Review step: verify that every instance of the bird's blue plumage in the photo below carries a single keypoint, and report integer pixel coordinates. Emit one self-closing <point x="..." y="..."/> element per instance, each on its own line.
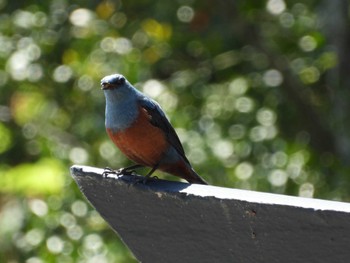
<point x="121" y="103"/>
<point x="139" y="127"/>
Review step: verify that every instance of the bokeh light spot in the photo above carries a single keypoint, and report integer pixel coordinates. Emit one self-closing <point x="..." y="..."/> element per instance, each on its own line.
<point x="275" y="7"/>
<point x="79" y="208"/>
<point x="38" y="207"/>
<point x="62" y="73"/>
<point x="67" y="220"/>
<point x="122" y="45"/>
<point x="23" y="19"/>
<point x="306" y="190"/>
<point x="54" y="244"/>
<point x="93" y="242"/>
<point x="197" y="155"/>
<point x="266" y="117"/>
<point x="34" y="236"/>
<point x="309" y="75"/>
<point x="258" y="133"/>
<point x="185" y="14"/>
<point x="85" y="83"/>
<point x="278" y="177"/>
<point x="17" y="65"/>
<point x="226" y="60"/>
<point x="75" y="232"/>
<point x="34" y="260"/>
<point x="153" y="88"/>
<point x="78" y="155"/>
<point x="238" y="86"/>
<point x="107" y="150"/>
<point x="287" y="20"/>
<point x="272" y="78"/>
<point x="244" y="171"/>
<point x="223" y="149"/>
<point x="279" y="159"/>
<point x="244" y="104"/>
<point x="81" y="17"/>
<point x="307" y="43"/>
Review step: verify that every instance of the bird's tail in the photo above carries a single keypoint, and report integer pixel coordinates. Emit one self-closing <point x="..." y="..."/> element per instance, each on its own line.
<point x="194" y="178"/>
<point x="183" y="170"/>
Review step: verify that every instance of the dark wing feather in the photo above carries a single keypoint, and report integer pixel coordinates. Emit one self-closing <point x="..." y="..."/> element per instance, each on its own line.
<point x="158" y="119"/>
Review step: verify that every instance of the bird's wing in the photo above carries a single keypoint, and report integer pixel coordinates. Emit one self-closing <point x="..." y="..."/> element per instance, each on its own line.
<point x="158" y="119"/>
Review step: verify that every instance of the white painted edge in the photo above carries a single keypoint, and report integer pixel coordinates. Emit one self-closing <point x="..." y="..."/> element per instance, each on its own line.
<point x="252" y="196"/>
<point x="266" y="198"/>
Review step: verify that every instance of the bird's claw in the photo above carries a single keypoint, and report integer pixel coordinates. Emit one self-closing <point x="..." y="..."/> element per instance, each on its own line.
<point x="125" y="171"/>
<point x="107" y="171"/>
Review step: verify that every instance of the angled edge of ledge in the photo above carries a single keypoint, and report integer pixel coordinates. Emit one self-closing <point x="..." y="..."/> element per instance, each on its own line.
<point x="160" y="185"/>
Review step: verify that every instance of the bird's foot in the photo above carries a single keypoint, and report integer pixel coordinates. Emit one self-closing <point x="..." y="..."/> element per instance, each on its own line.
<point x="130" y="170"/>
<point x="122" y="171"/>
<point x="144" y="179"/>
<point x="125" y="171"/>
<point x="107" y="171"/>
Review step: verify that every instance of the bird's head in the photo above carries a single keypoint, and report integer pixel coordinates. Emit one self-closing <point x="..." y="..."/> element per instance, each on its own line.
<point x="112" y="82"/>
<point x="117" y="88"/>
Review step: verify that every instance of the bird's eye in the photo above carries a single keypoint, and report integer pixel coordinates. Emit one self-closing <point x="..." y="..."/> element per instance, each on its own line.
<point x="120" y="81"/>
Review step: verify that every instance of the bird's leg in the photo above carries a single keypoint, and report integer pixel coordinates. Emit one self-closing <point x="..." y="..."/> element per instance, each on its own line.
<point x="148" y="176"/>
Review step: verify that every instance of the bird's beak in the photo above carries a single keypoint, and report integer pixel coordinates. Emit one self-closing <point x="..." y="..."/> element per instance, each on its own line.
<point x="106" y="85"/>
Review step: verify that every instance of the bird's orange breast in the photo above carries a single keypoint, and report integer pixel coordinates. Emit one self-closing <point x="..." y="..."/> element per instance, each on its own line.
<point x="142" y="142"/>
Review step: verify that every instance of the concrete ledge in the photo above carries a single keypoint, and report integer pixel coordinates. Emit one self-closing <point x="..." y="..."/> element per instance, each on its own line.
<point x="167" y="221"/>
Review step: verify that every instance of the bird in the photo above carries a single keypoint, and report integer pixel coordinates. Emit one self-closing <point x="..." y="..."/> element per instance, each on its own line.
<point x="138" y="126"/>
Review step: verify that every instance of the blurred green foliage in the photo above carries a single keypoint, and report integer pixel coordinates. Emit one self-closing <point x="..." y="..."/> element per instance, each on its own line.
<point x="256" y="90"/>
